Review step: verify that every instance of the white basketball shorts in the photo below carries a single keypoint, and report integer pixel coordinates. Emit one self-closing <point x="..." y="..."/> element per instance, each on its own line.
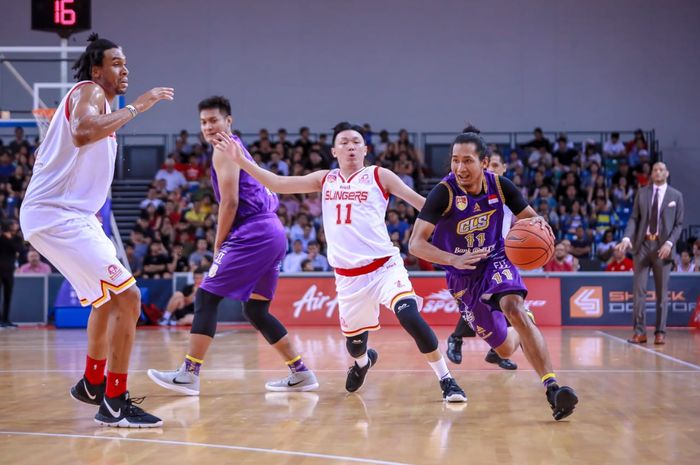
<point x="85" y="256"/>
<point x="360" y="297"/>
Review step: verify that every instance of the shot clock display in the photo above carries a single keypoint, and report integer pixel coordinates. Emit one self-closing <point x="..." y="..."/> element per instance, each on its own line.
<point x="64" y="17"/>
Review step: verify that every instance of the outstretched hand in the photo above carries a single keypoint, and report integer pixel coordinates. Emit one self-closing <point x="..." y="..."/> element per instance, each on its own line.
<point x="225" y="144"/>
<point x="145" y="101"/>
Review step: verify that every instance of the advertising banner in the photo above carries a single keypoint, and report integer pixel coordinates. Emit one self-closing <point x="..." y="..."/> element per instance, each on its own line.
<point x="608" y="300"/>
<point x="312" y="301"/>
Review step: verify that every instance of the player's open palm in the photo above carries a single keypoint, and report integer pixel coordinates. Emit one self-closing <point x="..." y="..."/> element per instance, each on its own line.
<point x="542" y="224"/>
<point x="145" y="101"/>
<point x="225" y="144"/>
<point x="468" y="260"/>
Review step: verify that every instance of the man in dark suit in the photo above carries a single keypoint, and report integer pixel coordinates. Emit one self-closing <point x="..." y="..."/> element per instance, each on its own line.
<point x="652" y="231"/>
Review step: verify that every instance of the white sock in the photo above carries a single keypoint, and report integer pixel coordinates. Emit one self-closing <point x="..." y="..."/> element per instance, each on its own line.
<point x="440" y="368"/>
<point x="167" y="315"/>
<point x="362" y="360"/>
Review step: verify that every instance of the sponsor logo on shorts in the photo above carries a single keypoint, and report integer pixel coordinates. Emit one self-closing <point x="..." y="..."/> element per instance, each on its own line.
<point x="461" y="202"/>
<point x="213" y="269"/>
<point x="113" y="271"/>
<point x="482" y="332"/>
<point x="587" y="302"/>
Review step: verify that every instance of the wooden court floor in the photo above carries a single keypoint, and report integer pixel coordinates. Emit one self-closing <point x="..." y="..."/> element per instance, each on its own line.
<point x="639" y="405"/>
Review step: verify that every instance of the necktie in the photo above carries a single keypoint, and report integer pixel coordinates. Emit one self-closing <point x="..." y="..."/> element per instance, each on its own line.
<point x="654" y="220"/>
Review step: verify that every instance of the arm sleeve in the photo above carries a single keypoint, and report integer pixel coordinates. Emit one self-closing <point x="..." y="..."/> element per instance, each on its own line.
<point x="513" y="197"/>
<point x="435" y="205"/>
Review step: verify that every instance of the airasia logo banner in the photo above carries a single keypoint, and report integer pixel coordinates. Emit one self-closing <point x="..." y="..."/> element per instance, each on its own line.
<point x="313" y="301"/>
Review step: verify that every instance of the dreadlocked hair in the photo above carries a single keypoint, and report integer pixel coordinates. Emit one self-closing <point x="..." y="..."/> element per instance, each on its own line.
<point x="92" y="56"/>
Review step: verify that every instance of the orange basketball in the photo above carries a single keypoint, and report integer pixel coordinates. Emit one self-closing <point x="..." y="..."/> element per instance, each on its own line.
<point x="528" y="246"/>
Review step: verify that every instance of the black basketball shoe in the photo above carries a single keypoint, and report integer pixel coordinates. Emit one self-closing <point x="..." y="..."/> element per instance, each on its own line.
<point x="83" y="391"/>
<point x="451" y="392"/>
<point x="505" y="363"/>
<point x="562" y="399"/>
<point x="454" y="349"/>
<point x="356" y="375"/>
<point x="121" y="412"/>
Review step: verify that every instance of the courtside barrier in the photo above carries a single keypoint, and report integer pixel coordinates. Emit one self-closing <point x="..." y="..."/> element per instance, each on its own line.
<point x="557" y="299"/>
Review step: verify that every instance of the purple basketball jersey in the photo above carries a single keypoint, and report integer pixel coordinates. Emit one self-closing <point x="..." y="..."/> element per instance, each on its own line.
<point x="472" y="223"/>
<point x="248" y="261"/>
<point x="253" y="198"/>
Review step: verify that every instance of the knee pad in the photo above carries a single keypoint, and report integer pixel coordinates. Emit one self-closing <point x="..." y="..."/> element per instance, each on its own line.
<point x="206" y="310"/>
<point x="407" y="312"/>
<point x="257" y="312"/>
<point x="357" y="345"/>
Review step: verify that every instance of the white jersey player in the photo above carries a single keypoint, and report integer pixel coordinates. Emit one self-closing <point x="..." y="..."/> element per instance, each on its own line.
<point x="72" y="176"/>
<point x="368" y="268"/>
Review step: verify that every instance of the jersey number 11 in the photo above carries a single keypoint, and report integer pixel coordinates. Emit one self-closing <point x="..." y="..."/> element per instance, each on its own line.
<point x="348" y="207"/>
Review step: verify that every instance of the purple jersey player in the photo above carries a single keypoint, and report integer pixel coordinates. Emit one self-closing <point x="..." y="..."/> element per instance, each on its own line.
<point x="249" y="247"/>
<point x="464" y="214"/>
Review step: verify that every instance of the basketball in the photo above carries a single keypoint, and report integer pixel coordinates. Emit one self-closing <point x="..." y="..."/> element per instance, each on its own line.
<point x="528" y="246"/>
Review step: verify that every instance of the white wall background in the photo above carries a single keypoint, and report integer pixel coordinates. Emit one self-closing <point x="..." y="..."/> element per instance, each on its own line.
<point x="427" y="66"/>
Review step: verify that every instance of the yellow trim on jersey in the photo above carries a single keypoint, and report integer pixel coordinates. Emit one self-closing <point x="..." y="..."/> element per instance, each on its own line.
<point x="106" y="287"/>
<point x="500" y="189"/>
<point x="449" y="204"/>
<point x="401" y="296"/>
<point x="294" y="360"/>
<point x="361" y="330"/>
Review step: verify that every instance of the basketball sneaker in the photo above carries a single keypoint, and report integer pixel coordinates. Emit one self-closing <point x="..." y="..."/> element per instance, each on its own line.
<point x="451" y="392"/>
<point x="505" y="363"/>
<point x="356" y="375"/>
<point x="562" y="399"/>
<point x="83" y="391"/>
<point x="454" y="349"/>
<point x="296" y="382"/>
<point x="180" y="380"/>
<point x="121" y="412"/>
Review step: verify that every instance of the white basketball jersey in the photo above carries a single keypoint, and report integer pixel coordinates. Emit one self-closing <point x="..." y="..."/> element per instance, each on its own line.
<point x="68" y="181"/>
<point x="353" y="218"/>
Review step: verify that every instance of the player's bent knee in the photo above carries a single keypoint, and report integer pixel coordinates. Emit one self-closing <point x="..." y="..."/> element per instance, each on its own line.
<point x="257" y="312"/>
<point x="510" y="345"/>
<point x="406" y="311"/>
<point x="206" y="309"/>
<point x="513" y="308"/>
<point x="129" y="301"/>
<point x="357" y="345"/>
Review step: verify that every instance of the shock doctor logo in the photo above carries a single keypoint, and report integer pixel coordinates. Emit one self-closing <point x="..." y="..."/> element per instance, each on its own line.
<point x="587" y="302"/>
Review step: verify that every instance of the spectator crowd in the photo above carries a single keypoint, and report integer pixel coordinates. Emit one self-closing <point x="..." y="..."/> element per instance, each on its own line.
<point x="584" y="190"/>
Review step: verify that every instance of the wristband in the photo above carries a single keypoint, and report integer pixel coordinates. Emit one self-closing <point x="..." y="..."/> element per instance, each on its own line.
<point x="132" y="109"/>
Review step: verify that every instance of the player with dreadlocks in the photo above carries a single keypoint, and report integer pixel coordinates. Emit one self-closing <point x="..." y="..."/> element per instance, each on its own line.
<point x="73" y="171"/>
